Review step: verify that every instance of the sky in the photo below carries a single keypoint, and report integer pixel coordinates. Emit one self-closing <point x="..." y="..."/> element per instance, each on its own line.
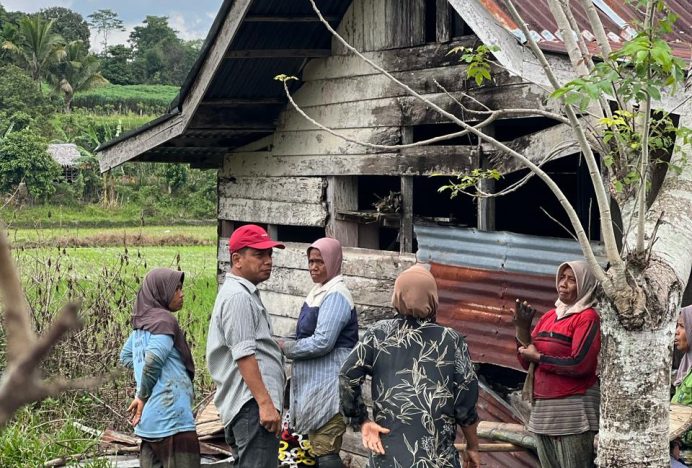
<point x="192" y="19"/>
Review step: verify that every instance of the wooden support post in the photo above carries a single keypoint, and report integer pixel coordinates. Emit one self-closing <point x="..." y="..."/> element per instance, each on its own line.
<point x="406" y="230"/>
<point x="273" y="231"/>
<point x="342" y="194"/>
<point x="443" y="22"/>
<point x="486" y="206"/>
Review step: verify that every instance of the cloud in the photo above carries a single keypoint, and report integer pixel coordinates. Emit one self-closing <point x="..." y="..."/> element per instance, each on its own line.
<point x="188" y="27"/>
<point x="32" y="6"/>
<point x="114" y="37"/>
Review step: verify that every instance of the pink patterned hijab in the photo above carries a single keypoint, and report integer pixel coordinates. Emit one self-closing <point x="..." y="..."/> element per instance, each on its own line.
<point x="330" y="249"/>
<point x="686" y="361"/>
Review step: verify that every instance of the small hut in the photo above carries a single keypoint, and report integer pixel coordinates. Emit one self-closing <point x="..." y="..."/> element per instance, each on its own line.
<point x="66" y="155"/>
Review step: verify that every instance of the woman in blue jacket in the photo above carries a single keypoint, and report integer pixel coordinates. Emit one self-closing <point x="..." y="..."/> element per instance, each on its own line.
<point x="159" y="355"/>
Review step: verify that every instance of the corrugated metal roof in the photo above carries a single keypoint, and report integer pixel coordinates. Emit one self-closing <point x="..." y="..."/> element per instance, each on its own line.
<point x="618" y="18"/>
<point x="491" y="407"/>
<point x="505" y="251"/>
<point x="480" y="303"/>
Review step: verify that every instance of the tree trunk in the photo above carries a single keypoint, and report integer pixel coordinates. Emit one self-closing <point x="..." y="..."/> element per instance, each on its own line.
<point x="635" y="397"/>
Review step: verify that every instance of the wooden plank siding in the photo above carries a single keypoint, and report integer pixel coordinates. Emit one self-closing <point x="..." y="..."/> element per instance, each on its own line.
<point x="294" y="201"/>
<point x="382" y="24"/>
<point x="369" y="274"/>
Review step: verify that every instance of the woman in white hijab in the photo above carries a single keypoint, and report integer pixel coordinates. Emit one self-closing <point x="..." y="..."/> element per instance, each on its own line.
<point x="564" y="347"/>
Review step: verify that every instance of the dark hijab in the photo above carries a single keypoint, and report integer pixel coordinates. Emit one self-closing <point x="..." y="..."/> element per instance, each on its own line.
<point x="151" y="311"/>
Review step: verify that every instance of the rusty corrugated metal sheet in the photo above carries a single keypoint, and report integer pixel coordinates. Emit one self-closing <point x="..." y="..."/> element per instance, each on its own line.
<point x="480" y="274"/>
<point x="491" y="407"/>
<point x="617" y="16"/>
<point x="495" y="250"/>
<point x="479" y="304"/>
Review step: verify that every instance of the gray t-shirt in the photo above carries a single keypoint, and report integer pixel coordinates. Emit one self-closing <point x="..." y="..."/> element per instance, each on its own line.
<point x="239" y="327"/>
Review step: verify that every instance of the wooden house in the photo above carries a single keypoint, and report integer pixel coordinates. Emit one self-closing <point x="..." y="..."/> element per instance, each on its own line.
<point x="279" y="170"/>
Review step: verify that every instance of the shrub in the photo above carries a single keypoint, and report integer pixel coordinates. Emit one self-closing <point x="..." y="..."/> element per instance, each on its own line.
<point x="23" y="156"/>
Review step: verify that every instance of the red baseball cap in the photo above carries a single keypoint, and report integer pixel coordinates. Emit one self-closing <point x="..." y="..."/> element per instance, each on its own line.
<point x="252" y="236"/>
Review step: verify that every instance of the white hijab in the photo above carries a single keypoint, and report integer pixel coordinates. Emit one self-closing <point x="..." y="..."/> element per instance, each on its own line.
<point x="586" y="288"/>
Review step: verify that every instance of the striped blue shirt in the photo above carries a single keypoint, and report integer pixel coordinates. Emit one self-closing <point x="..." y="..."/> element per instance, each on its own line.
<point x="318" y="359"/>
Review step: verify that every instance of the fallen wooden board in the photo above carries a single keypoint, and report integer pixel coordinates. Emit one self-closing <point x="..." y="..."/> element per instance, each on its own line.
<point x="680" y="420"/>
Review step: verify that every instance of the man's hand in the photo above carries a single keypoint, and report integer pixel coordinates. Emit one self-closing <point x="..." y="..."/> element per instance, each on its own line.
<point x="370" y="432"/>
<point x="269" y="417"/>
<point x="530" y="353"/>
<point x="135" y="410"/>
<point x="472" y="459"/>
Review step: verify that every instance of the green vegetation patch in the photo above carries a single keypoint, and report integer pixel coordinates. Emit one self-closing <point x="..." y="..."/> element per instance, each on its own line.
<point x="141" y="98"/>
<point x="140" y="236"/>
<point x="70" y="217"/>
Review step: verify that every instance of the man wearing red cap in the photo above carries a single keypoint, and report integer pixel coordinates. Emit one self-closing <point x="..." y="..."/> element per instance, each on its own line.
<point x="244" y="361"/>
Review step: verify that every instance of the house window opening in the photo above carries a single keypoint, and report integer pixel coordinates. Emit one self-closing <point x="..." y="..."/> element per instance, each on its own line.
<point x="306" y="234"/>
<point x="509" y="129"/>
<point x="459" y="26"/>
<point x="380" y="206"/>
<point x="524" y="211"/>
<point x="427" y="131"/>
<point x="430" y="21"/>
<point x="432" y="206"/>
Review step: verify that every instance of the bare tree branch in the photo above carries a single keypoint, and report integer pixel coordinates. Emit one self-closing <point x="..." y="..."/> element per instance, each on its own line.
<point x="21" y="382"/>
<point x="601" y="196"/>
<point x="16" y="316"/>
<point x="644" y="158"/>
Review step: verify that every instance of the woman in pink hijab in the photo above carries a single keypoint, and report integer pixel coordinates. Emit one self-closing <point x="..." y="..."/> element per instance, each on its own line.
<point x="326" y="332"/>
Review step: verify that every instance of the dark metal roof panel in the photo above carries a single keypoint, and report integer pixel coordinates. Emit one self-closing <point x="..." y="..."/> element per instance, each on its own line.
<point x="480" y="303"/>
<point x="498" y="250"/>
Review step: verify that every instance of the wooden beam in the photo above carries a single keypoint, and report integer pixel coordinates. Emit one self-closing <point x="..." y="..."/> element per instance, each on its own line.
<point x="416" y="161"/>
<point x="272" y="212"/>
<point x="238" y="102"/>
<point x="559" y="139"/>
<point x="277" y="53"/>
<point x="289" y="19"/>
<point x="485" y="221"/>
<point x="234" y="130"/>
<point x="406" y="228"/>
<point x="342" y="194"/>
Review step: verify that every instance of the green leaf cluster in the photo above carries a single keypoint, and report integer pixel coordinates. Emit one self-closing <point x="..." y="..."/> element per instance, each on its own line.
<point x="478" y="68"/>
<point x="466" y="180"/>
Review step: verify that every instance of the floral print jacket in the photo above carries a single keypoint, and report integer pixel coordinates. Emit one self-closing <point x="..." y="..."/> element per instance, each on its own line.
<point x="423" y="385"/>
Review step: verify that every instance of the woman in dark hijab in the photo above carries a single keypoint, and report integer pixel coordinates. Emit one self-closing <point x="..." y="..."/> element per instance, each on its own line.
<point x="423" y="383"/>
<point x="163" y="367"/>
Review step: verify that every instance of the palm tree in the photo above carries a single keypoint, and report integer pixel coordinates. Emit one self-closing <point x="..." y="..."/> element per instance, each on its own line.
<point x="78" y="71"/>
<point x="36" y="46"/>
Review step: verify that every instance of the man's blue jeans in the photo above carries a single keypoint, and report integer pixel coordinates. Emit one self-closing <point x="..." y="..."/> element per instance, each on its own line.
<point x="256" y="447"/>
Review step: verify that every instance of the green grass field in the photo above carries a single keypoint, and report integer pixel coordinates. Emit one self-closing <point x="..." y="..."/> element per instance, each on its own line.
<point x="106" y="279"/>
<point x="83" y="216"/>
<point x="122" y="98"/>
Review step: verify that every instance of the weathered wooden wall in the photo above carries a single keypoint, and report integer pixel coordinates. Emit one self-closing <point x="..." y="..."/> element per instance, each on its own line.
<point x="369" y="274"/>
<point x="295" y="201"/>
<point x="382" y="24"/>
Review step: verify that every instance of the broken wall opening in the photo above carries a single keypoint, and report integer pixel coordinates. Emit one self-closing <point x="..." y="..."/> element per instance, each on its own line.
<point x="523" y="211"/>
